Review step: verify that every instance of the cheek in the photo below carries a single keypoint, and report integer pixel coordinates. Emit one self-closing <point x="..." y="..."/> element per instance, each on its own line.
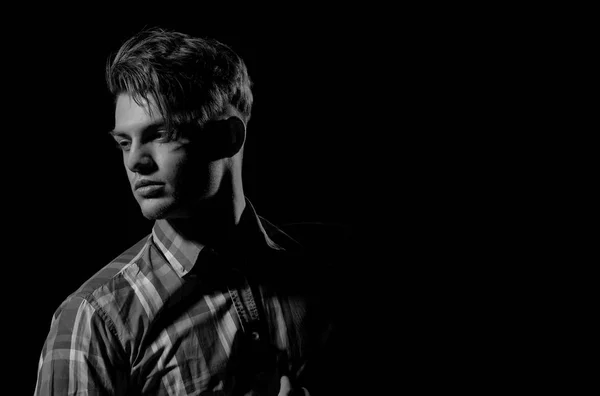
<point x="198" y="179"/>
<point x="189" y="175"/>
<point x="178" y="169"/>
<point x="175" y="168"/>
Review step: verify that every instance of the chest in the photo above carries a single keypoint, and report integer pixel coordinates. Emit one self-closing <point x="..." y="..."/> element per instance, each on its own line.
<point x="206" y="343"/>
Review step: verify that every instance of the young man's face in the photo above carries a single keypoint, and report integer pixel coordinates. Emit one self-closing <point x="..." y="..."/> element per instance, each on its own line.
<point x="166" y="178"/>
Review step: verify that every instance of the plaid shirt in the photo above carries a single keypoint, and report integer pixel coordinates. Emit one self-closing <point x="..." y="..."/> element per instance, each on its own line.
<point x="160" y="320"/>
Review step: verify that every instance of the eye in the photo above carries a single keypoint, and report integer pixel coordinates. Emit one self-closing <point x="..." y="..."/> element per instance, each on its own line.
<point x="123" y="144"/>
<point x="162" y="136"/>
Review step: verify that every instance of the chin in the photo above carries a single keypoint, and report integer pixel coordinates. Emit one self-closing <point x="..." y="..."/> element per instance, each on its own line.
<point x="155" y="209"/>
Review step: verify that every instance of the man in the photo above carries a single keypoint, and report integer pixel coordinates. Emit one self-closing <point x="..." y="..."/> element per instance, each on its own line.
<point x="216" y="300"/>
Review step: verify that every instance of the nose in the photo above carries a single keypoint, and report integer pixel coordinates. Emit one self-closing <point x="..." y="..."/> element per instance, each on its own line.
<point x="139" y="159"/>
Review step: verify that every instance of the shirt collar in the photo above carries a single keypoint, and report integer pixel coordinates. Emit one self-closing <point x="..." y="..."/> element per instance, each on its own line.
<point x="183" y="253"/>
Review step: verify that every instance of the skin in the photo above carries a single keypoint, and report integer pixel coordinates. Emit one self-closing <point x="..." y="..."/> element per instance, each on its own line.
<point x="203" y="198"/>
<point x="286" y="388"/>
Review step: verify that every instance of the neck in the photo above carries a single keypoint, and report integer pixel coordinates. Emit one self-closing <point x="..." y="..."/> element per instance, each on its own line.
<point x="215" y="222"/>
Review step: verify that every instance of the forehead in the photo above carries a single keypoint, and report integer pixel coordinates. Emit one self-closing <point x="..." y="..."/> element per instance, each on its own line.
<point x="130" y="115"/>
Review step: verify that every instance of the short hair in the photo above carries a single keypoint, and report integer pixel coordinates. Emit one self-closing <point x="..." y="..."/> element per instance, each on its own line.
<point x="191" y="79"/>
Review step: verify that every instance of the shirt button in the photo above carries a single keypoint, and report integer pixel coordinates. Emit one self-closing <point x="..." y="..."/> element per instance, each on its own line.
<point x="255" y="336"/>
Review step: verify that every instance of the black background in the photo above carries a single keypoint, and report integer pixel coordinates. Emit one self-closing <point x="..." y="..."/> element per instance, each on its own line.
<point x="392" y="122"/>
<point x="71" y="210"/>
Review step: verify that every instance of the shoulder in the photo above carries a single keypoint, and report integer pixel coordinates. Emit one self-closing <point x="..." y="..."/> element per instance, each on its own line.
<point x="315" y="256"/>
<point x="323" y="247"/>
<point x="114" y="269"/>
<point x="315" y="238"/>
<point x="97" y="289"/>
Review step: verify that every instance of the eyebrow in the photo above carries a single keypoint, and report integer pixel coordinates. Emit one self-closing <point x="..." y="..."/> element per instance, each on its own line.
<point x="149" y="127"/>
<point x="114" y="133"/>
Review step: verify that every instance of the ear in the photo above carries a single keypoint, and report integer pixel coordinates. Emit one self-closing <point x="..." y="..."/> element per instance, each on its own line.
<point x="236" y="132"/>
<point x="224" y="138"/>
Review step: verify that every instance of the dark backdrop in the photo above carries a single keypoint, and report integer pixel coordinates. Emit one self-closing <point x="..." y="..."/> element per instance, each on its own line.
<point x="73" y="209"/>
<point x="391" y="122"/>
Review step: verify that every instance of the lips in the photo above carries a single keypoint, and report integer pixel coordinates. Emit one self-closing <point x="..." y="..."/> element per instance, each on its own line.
<point x="144" y="183"/>
<point x="148" y="189"/>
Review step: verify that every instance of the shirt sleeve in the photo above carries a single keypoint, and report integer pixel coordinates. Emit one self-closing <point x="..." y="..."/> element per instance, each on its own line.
<point x="82" y="354"/>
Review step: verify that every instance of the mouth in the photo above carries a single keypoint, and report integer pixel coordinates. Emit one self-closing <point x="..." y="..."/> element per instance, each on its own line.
<point x="145" y="182"/>
<point x="148" y="189"/>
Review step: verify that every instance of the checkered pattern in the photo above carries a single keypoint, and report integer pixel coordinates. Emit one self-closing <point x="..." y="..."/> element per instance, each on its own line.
<point x="154" y="322"/>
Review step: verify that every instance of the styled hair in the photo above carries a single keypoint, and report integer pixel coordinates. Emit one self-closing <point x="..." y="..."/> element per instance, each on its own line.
<point x="191" y="79"/>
